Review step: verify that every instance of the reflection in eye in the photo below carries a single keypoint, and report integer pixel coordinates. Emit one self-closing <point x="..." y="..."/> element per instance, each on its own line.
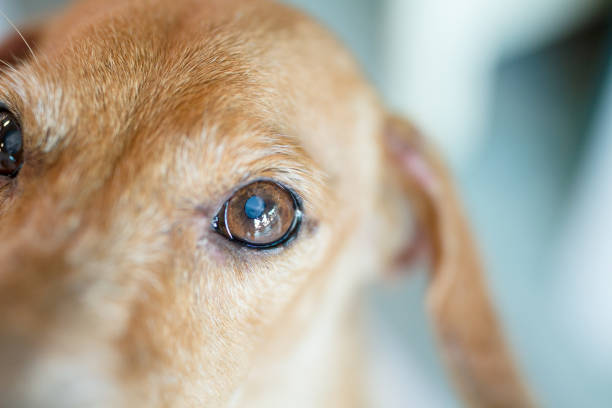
<point x="263" y="214"/>
<point x="254" y="207"/>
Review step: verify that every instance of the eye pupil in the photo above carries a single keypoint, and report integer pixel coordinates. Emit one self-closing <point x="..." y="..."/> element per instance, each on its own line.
<point x="11" y="145"/>
<point x="12" y="142"/>
<point x="254" y="207"/>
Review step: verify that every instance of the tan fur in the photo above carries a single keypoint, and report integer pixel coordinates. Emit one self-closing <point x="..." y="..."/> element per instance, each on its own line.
<point x="140" y="118"/>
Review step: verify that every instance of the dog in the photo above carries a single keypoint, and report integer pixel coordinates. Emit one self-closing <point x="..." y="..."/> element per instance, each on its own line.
<point x="193" y="193"/>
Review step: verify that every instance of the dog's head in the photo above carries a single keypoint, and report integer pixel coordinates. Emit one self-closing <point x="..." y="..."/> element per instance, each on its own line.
<point x="191" y="194"/>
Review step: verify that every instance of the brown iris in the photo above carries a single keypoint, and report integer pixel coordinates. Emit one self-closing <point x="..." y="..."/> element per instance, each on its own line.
<point x="263" y="214"/>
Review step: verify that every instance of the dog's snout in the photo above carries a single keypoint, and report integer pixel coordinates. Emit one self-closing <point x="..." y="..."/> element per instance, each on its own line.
<point x="53" y="351"/>
<point x="38" y="371"/>
<point x="31" y="277"/>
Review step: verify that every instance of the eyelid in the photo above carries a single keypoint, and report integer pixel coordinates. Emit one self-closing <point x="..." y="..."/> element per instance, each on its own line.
<point x="4" y="106"/>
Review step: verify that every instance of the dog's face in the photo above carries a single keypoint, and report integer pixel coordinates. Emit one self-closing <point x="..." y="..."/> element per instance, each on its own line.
<point x="187" y="183"/>
<point x="190" y="190"/>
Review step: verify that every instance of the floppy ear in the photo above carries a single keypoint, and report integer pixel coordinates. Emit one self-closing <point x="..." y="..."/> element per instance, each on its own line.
<point x="466" y="326"/>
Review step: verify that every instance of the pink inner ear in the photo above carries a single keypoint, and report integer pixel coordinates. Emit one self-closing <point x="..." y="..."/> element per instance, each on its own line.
<point x="413" y="163"/>
<point x="409" y="158"/>
<point x="419" y="249"/>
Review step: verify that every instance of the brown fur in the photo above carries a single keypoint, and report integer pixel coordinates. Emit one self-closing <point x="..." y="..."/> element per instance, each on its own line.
<point x="140" y="118"/>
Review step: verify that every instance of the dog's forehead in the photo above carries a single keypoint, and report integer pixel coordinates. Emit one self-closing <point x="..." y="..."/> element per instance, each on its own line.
<point x="106" y="71"/>
<point x="211" y="75"/>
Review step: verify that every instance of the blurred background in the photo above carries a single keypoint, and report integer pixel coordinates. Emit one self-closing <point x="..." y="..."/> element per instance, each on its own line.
<point x="518" y="96"/>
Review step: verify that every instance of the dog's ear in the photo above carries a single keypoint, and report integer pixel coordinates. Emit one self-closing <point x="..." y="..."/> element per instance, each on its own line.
<point x="458" y="302"/>
<point x="19" y="46"/>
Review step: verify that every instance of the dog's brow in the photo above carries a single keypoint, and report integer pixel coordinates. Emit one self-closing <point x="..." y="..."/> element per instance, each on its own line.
<point x="250" y="155"/>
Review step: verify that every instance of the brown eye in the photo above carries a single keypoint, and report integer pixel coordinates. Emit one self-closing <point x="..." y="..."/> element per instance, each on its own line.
<point x="263" y="214"/>
<point x="11" y="145"/>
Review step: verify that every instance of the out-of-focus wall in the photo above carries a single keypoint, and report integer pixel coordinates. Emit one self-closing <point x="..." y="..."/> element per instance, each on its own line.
<point x="584" y="262"/>
<point x="440" y="58"/>
<point x="19" y="10"/>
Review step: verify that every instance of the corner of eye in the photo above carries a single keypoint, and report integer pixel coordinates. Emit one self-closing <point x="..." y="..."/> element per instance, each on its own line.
<point x="310" y="226"/>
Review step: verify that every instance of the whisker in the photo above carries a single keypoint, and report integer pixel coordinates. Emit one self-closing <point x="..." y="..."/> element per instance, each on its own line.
<point x="9" y="66"/>
<point x="8" y="20"/>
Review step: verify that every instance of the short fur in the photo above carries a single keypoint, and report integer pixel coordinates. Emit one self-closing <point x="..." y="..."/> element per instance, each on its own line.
<point x="140" y="118"/>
